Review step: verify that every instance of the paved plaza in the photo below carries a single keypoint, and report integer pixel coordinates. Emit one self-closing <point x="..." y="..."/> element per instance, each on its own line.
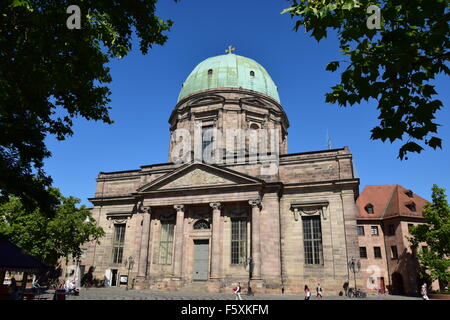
<point x="122" y="294"/>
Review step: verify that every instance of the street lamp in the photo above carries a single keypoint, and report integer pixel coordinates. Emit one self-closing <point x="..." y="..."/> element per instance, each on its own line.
<point x="129" y="264"/>
<point x="354" y="265"/>
<point x="248" y="262"/>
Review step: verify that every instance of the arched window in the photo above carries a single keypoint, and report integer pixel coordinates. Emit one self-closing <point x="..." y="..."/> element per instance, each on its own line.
<point x="201" y="225"/>
<point x="210" y="72"/>
<point x="252" y="73"/>
<point x="369" y="208"/>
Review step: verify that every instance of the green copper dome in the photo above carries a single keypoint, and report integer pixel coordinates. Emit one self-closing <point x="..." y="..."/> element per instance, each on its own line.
<point x="229" y="71"/>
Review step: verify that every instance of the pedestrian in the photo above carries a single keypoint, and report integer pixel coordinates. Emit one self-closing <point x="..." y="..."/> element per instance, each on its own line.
<point x="319" y="291"/>
<point x="307" y="293"/>
<point x="13" y="284"/>
<point x="424" y="292"/>
<point x="237" y="291"/>
<point x="14" y="289"/>
<point x="345" y="286"/>
<point x="87" y="279"/>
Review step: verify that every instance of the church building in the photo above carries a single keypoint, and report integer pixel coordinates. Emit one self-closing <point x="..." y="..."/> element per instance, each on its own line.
<point x="220" y="212"/>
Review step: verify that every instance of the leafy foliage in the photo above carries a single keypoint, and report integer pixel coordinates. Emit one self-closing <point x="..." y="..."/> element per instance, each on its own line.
<point x="436" y="234"/>
<point x="50" y="75"/>
<point x="393" y="65"/>
<point x="49" y="238"/>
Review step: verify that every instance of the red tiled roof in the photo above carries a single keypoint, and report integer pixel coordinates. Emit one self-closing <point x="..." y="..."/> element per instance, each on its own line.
<point x="388" y="201"/>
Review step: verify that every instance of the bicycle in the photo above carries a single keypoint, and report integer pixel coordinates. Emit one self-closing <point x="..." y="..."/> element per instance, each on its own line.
<point x="356" y="293"/>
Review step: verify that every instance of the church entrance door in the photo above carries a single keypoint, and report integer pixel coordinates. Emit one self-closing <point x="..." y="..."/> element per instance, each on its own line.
<point x="201" y="260"/>
<point x="113" y="277"/>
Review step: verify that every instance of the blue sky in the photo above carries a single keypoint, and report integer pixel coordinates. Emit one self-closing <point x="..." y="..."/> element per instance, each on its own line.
<point x="145" y="91"/>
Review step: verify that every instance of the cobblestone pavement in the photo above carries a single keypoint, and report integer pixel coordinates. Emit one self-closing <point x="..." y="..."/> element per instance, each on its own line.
<point x="122" y="294"/>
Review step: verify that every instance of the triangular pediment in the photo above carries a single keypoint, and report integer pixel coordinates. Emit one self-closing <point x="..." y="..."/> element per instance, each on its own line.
<point x="198" y="175"/>
<point x="253" y="102"/>
<point x="206" y="100"/>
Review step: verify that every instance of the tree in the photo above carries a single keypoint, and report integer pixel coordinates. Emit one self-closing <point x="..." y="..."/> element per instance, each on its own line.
<point x="49" y="238"/>
<point x="50" y="74"/>
<point x="393" y="65"/>
<point x="436" y="234"/>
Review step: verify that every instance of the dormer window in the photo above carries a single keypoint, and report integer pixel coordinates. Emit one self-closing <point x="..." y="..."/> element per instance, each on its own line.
<point x="411" y="206"/>
<point x="252" y="73"/>
<point x="409" y="193"/>
<point x="210" y="71"/>
<point x="369" y="208"/>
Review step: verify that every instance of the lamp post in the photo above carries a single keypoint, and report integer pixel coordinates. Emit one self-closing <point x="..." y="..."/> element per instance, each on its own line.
<point x="248" y="262"/>
<point x="129" y="263"/>
<point x="78" y="274"/>
<point x="355" y="266"/>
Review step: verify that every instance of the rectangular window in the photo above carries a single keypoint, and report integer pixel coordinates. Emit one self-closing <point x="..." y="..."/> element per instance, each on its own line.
<point x="207" y="136"/>
<point x="374" y="230"/>
<point x="166" y="243"/>
<point x="84" y="253"/>
<point x="425" y="249"/>
<point x="391" y="229"/>
<point x="312" y="240"/>
<point x="394" y="253"/>
<point x="377" y="252"/>
<point x="238" y="241"/>
<point x="363" y="252"/>
<point x="360" y="230"/>
<point x="118" y="241"/>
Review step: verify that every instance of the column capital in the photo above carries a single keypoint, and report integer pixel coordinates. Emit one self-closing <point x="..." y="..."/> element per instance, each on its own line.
<point x="254" y="202"/>
<point x="143" y="209"/>
<point x="146" y="209"/>
<point x="215" y="205"/>
<point x="179" y="207"/>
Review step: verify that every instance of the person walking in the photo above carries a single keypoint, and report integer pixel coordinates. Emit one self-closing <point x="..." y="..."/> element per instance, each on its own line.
<point x="307" y="293"/>
<point x="424" y="292"/>
<point x="237" y="291"/>
<point x="319" y="294"/>
<point x="345" y="286"/>
<point x="13" y="289"/>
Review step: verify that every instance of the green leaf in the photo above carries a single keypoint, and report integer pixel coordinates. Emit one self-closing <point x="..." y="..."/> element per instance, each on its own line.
<point x="332" y="66"/>
<point x="435" y="142"/>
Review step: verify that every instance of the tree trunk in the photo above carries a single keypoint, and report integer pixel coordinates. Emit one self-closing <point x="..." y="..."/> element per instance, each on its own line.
<point x="442" y="285"/>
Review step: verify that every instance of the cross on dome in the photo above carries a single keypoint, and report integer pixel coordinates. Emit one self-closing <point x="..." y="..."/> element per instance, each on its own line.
<point x="230" y="49"/>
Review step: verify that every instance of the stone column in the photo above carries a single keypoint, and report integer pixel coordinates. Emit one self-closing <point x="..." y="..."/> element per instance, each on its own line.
<point x="215" y="250"/>
<point x="143" y="256"/>
<point x="256" y="244"/>
<point x="178" y="256"/>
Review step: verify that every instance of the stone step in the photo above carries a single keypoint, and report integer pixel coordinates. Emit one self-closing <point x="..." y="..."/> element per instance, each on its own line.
<point x="196" y="286"/>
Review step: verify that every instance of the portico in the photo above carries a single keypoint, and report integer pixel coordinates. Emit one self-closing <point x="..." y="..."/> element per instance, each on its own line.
<point x="237" y="197"/>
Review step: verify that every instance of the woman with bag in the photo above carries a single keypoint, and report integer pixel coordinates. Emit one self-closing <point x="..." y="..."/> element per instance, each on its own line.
<point x="237" y="291"/>
<point x="307" y="293"/>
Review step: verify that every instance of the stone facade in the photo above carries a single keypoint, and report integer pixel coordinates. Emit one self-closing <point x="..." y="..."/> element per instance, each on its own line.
<point x="274" y="209"/>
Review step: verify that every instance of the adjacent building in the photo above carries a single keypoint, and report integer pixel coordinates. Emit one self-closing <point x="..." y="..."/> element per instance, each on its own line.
<point x="385" y="214"/>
